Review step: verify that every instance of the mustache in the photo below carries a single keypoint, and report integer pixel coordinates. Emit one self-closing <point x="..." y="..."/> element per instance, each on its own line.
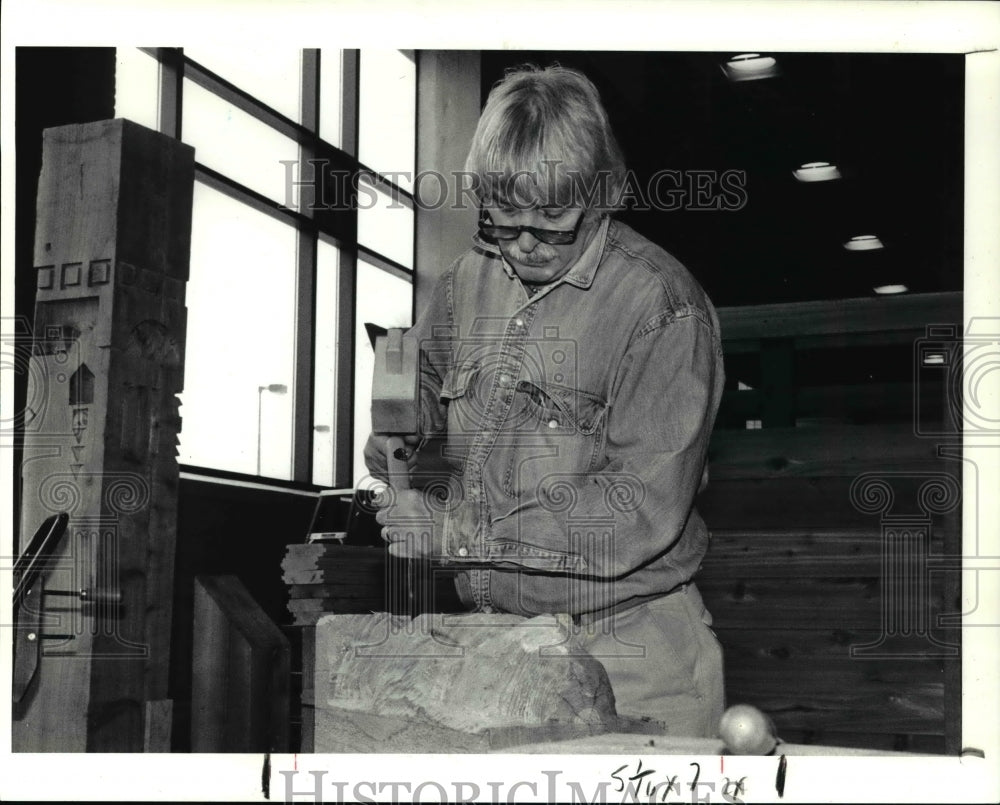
<point x="541" y="254"/>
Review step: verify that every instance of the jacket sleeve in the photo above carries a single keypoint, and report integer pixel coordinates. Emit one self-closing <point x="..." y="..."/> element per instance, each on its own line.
<point x="664" y="401"/>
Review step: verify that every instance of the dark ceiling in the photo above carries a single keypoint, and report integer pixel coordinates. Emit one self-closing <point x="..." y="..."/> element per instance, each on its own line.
<point x="892" y="123"/>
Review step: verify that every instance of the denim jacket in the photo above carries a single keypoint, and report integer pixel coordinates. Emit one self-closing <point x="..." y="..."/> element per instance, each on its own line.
<point x="577" y="423"/>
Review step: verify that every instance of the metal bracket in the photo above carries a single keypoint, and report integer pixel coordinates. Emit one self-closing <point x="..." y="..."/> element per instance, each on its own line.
<point x="30" y="570"/>
<point x="29" y="575"/>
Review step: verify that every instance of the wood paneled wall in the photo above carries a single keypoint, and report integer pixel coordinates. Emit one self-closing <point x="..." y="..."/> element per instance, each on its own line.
<point x="832" y="518"/>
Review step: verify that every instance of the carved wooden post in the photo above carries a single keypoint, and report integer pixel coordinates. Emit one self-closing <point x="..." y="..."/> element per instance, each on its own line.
<point x="112" y="249"/>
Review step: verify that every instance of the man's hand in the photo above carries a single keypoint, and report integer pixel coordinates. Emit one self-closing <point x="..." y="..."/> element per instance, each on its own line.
<point x="375" y="458"/>
<point x="407" y="524"/>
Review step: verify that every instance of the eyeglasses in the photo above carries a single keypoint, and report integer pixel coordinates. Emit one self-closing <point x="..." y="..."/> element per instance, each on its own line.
<point x="554" y="237"/>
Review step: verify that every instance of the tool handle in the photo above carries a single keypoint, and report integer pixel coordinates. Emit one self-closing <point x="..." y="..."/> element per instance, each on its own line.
<point x="399" y="472"/>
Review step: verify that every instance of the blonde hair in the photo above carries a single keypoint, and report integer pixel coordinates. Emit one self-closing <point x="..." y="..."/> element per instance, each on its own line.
<point x="544" y="139"/>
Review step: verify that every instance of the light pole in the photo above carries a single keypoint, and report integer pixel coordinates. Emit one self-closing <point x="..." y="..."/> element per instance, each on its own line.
<point x="274" y="388"/>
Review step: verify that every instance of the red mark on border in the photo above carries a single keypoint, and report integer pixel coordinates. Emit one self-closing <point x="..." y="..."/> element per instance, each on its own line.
<point x="722" y="764"/>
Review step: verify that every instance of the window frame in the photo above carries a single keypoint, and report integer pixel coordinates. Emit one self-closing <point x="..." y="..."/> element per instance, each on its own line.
<point x="337" y="227"/>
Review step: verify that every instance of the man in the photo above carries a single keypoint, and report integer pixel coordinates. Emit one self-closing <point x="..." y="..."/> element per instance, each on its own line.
<point x="571" y="371"/>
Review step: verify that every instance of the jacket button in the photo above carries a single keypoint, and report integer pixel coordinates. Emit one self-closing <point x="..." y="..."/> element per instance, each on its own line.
<point x="506" y="380"/>
<point x="463" y="551"/>
<point x="553" y="423"/>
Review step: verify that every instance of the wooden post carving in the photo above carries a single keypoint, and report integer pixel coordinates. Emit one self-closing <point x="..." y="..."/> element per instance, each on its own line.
<point x="112" y="249"/>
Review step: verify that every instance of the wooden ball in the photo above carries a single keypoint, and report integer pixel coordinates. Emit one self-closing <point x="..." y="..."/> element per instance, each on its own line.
<point x="747" y="731"/>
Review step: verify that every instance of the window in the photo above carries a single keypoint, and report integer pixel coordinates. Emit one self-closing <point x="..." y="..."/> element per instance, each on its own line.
<point x="325" y="390"/>
<point x="271" y="74"/>
<point x="240" y="339"/>
<point x="236" y="144"/>
<point x="331" y="100"/>
<point x="137" y="87"/>
<point x="278" y="368"/>
<point x="388" y="113"/>
<point x="385" y="224"/>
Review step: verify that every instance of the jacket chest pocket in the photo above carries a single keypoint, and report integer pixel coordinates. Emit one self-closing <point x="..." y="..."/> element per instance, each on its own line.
<point x="546" y="430"/>
<point x="461" y="392"/>
<point x="555" y="430"/>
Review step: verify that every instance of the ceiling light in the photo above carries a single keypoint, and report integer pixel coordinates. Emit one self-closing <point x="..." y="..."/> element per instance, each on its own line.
<point x="749" y="67"/>
<point x="816" y="172"/>
<point x="934" y="359"/>
<point x="892" y="288"/>
<point x="863" y="243"/>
